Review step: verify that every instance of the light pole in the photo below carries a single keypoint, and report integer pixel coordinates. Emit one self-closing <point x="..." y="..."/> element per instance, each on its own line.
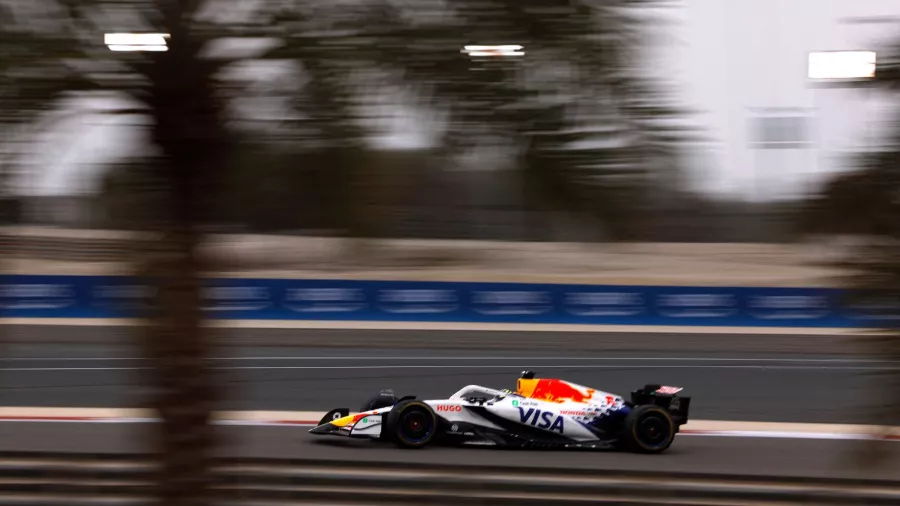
<point x="838" y="69"/>
<point x="494" y="62"/>
<point x="136" y="41"/>
<point x="870" y="21"/>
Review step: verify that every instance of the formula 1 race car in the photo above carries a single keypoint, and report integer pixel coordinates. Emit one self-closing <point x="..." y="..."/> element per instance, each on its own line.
<point x="541" y="413"/>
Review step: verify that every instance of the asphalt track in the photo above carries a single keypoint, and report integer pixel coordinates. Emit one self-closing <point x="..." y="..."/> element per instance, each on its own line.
<point x="785" y="457"/>
<point x="777" y="387"/>
<point x="779" y="378"/>
<point x="465" y="337"/>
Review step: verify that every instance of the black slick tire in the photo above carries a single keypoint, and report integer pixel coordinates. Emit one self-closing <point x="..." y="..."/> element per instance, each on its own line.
<point x="384" y="399"/>
<point x="411" y="424"/>
<point x="649" y="429"/>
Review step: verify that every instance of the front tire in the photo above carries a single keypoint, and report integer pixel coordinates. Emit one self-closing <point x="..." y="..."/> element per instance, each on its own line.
<point x="649" y="429"/>
<point x="411" y="424"/>
<point x="384" y="399"/>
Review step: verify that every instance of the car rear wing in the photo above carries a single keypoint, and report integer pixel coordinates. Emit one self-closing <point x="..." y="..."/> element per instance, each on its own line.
<point x="665" y="397"/>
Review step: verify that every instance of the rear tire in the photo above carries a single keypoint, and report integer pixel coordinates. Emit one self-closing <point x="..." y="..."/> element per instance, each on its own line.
<point x="411" y="424"/>
<point x="649" y="429"/>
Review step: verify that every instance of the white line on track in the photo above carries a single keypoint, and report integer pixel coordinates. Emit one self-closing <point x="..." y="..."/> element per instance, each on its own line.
<point x="481" y="358"/>
<point x="496" y="366"/>
<point x="48" y="369"/>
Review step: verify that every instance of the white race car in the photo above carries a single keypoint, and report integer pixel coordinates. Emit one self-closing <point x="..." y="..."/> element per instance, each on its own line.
<point x="540" y="413"/>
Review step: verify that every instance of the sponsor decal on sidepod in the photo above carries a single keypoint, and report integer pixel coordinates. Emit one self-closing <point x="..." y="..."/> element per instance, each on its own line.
<point x="548" y="420"/>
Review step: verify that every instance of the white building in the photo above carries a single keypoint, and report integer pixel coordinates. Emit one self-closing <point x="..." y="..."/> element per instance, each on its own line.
<point x="738" y="60"/>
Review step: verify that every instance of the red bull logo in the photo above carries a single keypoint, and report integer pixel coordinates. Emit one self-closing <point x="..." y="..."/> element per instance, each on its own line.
<point x="553" y="390"/>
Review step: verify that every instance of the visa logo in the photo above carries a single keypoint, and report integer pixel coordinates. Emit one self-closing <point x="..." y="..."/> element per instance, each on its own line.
<point x="541" y="420"/>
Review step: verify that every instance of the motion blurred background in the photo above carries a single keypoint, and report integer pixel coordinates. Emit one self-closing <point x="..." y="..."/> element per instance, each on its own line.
<point x="739" y="143"/>
<point x="639" y="121"/>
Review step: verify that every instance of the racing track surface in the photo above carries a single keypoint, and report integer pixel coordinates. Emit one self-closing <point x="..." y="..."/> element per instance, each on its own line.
<point x="442" y="337"/>
<point x="785" y="457"/>
<point x="725" y="384"/>
<point x="731" y="377"/>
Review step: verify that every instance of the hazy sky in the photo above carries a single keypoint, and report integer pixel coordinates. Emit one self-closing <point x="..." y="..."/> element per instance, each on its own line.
<point x="728" y="59"/>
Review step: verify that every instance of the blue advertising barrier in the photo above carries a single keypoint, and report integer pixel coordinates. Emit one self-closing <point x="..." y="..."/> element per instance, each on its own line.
<point x="32" y="296"/>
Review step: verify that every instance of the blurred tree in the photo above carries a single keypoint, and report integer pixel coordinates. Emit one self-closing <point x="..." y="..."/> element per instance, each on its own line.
<point x="46" y="60"/>
<point x="593" y="132"/>
<point x="64" y="38"/>
<point x="179" y="88"/>
<point x="864" y="204"/>
<point x="32" y="78"/>
<point x="33" y="74"/>
<point x="323" y="144"/>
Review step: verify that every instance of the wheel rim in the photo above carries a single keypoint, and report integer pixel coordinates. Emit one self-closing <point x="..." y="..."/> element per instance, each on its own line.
<point x="654" y="430"/>
<point x="416" y="426"/>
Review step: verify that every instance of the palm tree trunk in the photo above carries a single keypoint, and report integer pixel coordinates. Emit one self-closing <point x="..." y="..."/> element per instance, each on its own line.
<point x="189" y="130"/>
<point x="177" y="345"/>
